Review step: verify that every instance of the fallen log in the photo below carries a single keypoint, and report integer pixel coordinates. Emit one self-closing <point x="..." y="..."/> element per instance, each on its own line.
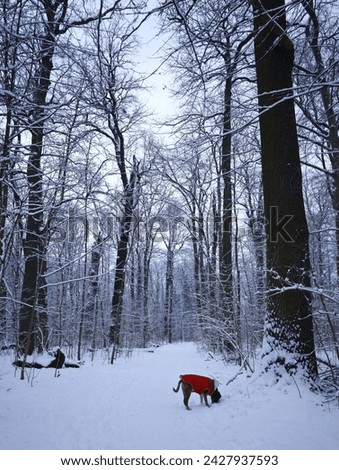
<point x="57" y="361"/>
<point x="28" y="364"/>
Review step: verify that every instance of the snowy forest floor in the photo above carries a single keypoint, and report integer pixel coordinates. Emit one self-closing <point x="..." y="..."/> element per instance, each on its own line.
<point x="131" y="405"/>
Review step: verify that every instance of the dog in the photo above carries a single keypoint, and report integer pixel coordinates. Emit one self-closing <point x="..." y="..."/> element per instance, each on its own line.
<point x="204" y="386"/>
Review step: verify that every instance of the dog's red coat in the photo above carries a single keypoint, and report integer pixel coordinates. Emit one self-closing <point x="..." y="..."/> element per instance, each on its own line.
<point x="200" y="384"/>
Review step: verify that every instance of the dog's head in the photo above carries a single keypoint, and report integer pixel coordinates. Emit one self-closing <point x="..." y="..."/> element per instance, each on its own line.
<point x="216" y="395"/>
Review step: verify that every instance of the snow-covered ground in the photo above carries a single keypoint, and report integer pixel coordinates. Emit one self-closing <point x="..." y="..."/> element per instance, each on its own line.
<point x="131" y="405"/>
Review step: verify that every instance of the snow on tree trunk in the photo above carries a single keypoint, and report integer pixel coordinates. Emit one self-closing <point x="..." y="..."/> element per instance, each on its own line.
<point x="288" y="341"/>
<point x="33" y="316"/>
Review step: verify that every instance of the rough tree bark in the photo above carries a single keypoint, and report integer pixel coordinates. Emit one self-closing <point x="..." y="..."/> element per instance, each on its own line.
<point x="33" y="312"/>
<point x="130" y="186"/>
<point x="226" y="274"/>
<point x="289" y="340"/>
<point x="33" y="306"/>
<point x="94" y="289"/>
<point x="169" y="291"/>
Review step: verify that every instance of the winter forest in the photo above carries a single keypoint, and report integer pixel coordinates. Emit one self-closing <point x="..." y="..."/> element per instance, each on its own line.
<point x="192" y="199"/>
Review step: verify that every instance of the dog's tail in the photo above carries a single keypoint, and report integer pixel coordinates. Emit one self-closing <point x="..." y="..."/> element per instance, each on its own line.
<point x="178" y="386"/>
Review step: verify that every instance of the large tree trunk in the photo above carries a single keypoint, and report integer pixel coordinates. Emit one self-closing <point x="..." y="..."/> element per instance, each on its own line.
<point x="120" y="275"/>
<point x="33" y="307"/>
<point x="289" y="341"/>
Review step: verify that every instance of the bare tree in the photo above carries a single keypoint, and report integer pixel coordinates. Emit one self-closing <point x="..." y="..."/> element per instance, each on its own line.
<point x="212" y="40"/>
<point x="318" y="69"/>
<point x="11" y="42"/>
<point x="50" y="21"/>
<point x="114" y="116"/>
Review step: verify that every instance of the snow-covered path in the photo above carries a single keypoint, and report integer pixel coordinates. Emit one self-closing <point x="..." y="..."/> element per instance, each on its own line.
<point x="131" y="405"/>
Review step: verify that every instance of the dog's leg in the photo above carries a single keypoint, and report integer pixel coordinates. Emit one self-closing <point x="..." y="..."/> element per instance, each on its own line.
<point x="205" y="398"/>
<point x="186" y="390"/>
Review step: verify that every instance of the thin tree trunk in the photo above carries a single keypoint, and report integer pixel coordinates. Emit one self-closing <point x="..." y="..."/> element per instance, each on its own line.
<point x="313" y="37"/>
<point x="196" y="267"/>
<point x="145" y="294"/>
<point x="122" y="256"/>
<point x="226" y="274"/>
<point x="93" y="297"/>
<point x="169" y="294"/>
<point x="12" y="19"/>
